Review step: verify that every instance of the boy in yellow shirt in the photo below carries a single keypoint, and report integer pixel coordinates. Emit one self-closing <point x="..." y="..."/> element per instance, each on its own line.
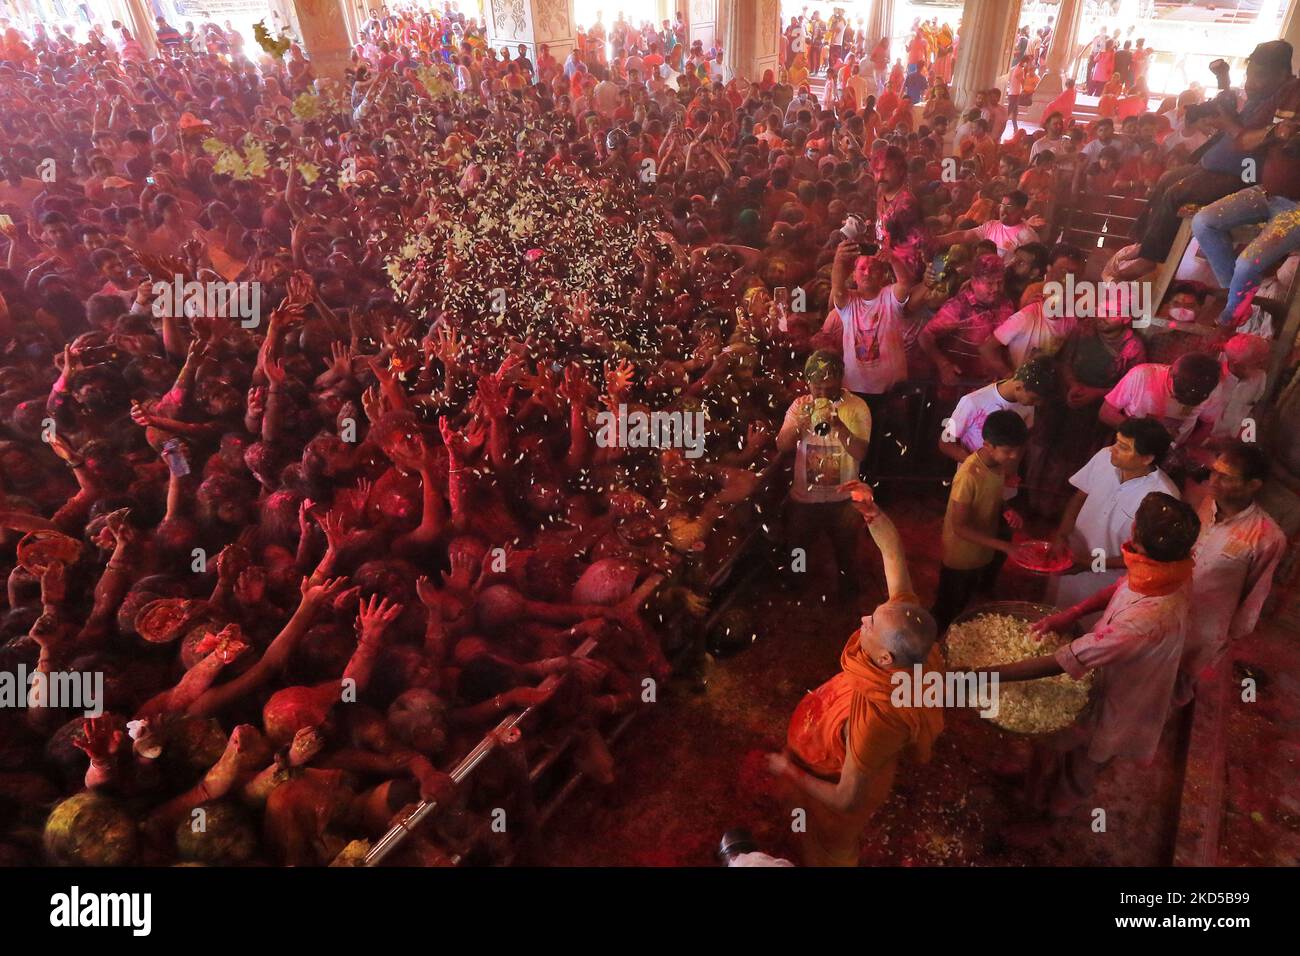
<point x="970" y="525"/>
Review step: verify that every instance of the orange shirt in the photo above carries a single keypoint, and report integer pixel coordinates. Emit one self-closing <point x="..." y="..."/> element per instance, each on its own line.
<point x="851" y="714"/>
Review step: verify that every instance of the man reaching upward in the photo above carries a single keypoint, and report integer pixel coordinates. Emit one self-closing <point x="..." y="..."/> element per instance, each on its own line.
<point x="846" y="738"/>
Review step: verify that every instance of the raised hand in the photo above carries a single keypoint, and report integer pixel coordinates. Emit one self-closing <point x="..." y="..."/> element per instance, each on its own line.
<point x="618" y="379"/>
<point x="335" y="531"/>
<point x="101" y="738"/>
<point x="372" y="403"/>
<point x="341" y="356"/>
<point x="495" y="399"/>
<point x="316" y="594"/>
<point x="448" y="346"/>
<point x="861" y="498"/>
<point x="374" y="615"/>
<point x="275" y="372"/>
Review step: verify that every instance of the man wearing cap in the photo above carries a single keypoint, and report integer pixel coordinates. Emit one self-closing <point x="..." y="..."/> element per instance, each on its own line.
<point x="847" y="737"/>
<point x="1021" y="393"/>
<point x="1222" y="168"/>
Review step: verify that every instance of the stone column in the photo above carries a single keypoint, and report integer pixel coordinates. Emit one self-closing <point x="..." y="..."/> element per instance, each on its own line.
<point x="881" y="24"/>
<point x="984" y="50"/>
<point x="136" y="16"/>
<point x="532" y="23"/>
<point x="1065" y="38"/>
<point x="754" y="30"/>
<point x="325" y="37"/>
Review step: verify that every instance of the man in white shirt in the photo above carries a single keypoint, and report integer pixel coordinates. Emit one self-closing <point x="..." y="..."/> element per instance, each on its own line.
<point x="1098" y="519"/>
<point x="1135" y="647"/>
<point x="803" y="100"/>
<point x="1105" y="137"/>
<point x="1243" y="385"/>
<point x="1041" y="327"/>
<point x="1172" y="394"/>
<point x="1053" y="140"/>
<point x="866" y="324"/>
<point x="858" y="85"/>
<point x="1008" y="232"/>
<point x="963" y="431"/>
<point x="1236" y="555"/>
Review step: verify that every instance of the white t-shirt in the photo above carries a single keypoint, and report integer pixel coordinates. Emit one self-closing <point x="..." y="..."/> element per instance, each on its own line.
<point x="974" y="407"/>
<point x="1146" y="390"/>
<point x="1029" y="332"/>
<point x="875" y="357"/>
<point x="796" y="40"/>
<point x="1105" y="521"/>
<point x="1007" y="238"/>
<point x="1057" y="146"/>
<point x="1092" y="150"/>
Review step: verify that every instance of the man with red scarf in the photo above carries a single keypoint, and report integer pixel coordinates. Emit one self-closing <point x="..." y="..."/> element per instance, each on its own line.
<point x="1135" y="647"/>
<point x="846" y="738"/>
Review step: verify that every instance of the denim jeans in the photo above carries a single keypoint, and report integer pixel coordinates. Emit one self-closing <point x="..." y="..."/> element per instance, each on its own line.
<point x="1241" y="274"/>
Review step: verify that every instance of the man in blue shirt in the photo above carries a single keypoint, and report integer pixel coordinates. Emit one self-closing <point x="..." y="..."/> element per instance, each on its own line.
<point x="1222" y="168"/>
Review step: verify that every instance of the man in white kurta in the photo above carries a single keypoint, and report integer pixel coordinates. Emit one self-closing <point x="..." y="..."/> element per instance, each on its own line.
<point x="1097" y="521"/>
<point x="1236" y="554"/>
<point x="1134" y="651"/>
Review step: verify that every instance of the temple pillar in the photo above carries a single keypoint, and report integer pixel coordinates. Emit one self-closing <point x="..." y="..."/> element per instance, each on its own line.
<point x="1060" y="52"/>
<point x="881" y="24"/>
<point x="325" y="38"/>
<point x="984" y="50"/>
<point x="751" y="39"/>
<point x="137" y="17"/>
<point x="532" y="23"/>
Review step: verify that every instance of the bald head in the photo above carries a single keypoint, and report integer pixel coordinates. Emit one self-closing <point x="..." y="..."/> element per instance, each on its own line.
<point x="905" y="632"/>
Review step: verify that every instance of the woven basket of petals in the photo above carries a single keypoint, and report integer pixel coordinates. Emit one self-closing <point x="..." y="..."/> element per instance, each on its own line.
<point x="998" y="633"/>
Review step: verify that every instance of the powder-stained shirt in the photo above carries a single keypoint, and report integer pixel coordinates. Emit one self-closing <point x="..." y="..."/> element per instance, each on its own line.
<point x="1235" y="561"/>
<point x="871" y="336"/>
<point x="961" y="326"/>
<point x="975" y="407"/>
<point x="1135" y="649"/>
<point x="1146" y="390"/>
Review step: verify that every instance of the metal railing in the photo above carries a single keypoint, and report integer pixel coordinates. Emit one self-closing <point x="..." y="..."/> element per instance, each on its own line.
<point x="493" y="740"/>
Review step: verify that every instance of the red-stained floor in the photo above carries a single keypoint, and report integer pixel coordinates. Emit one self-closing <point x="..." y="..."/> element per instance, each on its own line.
<point x="691" y="767"/>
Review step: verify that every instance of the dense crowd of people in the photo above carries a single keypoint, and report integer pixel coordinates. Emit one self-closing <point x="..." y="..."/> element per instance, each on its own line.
<point x="320" y="537"/>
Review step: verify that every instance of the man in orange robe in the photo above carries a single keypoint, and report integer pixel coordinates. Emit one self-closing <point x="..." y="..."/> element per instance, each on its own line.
<point x="847" y="737"/>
